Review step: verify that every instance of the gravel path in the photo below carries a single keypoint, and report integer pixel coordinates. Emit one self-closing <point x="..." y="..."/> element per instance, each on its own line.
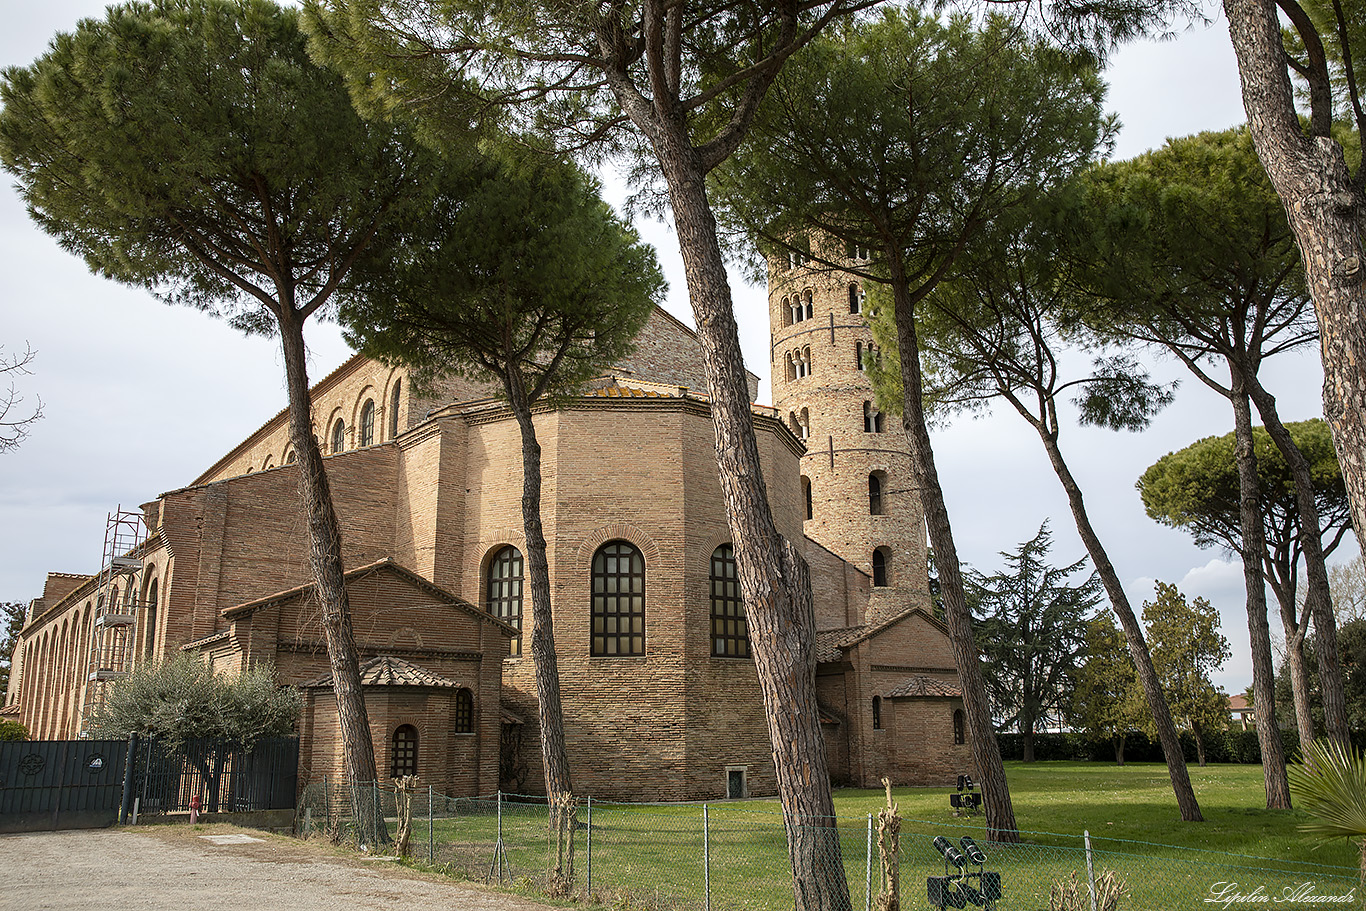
<point x="165" y="868"/>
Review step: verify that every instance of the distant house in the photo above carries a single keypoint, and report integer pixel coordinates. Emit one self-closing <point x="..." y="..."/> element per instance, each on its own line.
<point x="1240" y="711"/>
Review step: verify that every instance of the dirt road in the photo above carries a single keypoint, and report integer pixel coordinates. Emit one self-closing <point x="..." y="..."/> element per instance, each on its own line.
<point x="163" y="868"/>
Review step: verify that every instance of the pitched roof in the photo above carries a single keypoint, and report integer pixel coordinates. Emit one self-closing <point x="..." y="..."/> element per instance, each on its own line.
<point x="388" y="564"/>
<point x="920" y="685"/>
<point x="831" y="642"/>
<point x="387" y="670"/>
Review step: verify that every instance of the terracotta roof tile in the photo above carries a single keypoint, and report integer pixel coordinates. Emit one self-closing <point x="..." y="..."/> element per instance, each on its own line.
<point x="389" y="671"/>
<point x="920" y="685"/>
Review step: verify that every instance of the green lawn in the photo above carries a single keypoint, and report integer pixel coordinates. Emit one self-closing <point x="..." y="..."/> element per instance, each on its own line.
<point x="654" y="855"/>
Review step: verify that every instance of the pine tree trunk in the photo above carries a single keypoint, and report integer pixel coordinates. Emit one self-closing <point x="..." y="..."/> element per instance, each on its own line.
<point x="1326" y="212"/>
<point x="325" y="559"/>
<point x="1133" y="635"/>
<point x="1259" y="633"/>
<point x="1299" y="683"/>
<point x="549" y="711"/>
<point x="773" y="576"/>
<point x="1119" y="750"/>
<point x="1027" y="739"/>
<point x="1318" y="598"/>
<point x="986" y="751"/>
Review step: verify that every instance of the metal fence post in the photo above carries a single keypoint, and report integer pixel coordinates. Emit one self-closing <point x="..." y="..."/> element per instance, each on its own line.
<point x="1090" y="868"/>
<point x="868" y="869"/>
<point x="706" y="858"/>
<point x="588" y="896"/>
<point x="431" y="838"/>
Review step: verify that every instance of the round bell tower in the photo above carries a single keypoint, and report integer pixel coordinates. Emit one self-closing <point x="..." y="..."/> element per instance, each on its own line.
<point x="856" y="474"/>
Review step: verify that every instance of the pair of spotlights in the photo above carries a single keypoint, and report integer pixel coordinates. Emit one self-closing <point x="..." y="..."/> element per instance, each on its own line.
<point x="950" y="852"/>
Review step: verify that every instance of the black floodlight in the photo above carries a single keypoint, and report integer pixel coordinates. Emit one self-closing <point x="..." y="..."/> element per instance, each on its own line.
<point x="962" y="782"/>
<point x="967" y="780"/>
<point x="951" y="855"/>
<point x="970" y="849"/>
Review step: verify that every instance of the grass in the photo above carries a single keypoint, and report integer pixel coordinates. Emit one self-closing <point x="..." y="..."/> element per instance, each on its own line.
<point x="652" y="856"/>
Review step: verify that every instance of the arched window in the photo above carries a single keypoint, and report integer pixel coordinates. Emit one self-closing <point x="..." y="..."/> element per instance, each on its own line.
<point x="855" y="299"/>
<point x="858" y="355"/>
<point x="787" y="312"/>
<point x="798" y="314"/>
<point x="805" y="422"/>
<point x="872" y="419"/>
<point x="267" y="463"/>
<point x="338" y="436"/>
<point x="810" y="306"/>
<point x="618" y="600"/>
<point x="464" y="711"/>
<point x="505" y="590"/>
<point x="880" y="567"/>
<point x="791" y="367"/>
<point x="149" y="640"/>
<point x="875" y="493"/>
<point x="367" y="423"/>
<point x="405" y="751"/>
<point x="729" y="629"/>
<point x="806" y="494"/>
<point x="393" y="407"/>
<point x="959" y="727"/>
<point x="806" y="360"/>
<point x="291" y="457"/>
<point x="877" y="713"/>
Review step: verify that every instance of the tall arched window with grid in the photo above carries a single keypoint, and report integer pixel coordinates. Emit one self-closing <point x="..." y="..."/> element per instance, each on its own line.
<point x="729" y="628"/>
<point x="618" y="600"/>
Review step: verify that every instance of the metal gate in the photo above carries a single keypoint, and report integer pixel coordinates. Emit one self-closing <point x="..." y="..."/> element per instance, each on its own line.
<point x="86" y="784"/>
<point x="61" y="784"/>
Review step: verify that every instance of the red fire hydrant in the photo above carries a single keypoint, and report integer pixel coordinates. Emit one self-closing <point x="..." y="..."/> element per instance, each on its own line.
<point x="195" y="804"/>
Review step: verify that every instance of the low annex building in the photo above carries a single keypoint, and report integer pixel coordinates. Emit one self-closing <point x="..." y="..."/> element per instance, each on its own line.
<point x="660" y="695"/>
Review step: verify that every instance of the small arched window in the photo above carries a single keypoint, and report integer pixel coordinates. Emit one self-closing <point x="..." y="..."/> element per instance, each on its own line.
<point x="868" y="414"/>
<point x="729" y="628"/>
<point x="787" y="312"/>
<point x="791" y="367"/>
<point x="338" y="436"/>
<point x="858" y="355"/>
<point x="855" y="299"/>
<point x="959" y="727"/>
<point x="618" y="600"/>
<point x="810" y="306"/>
<point x="404" y="752"/>
<point x="875" y="493"/>
<point x="806" y="494"/>
<point x="393" y="407"/>
<point x="464" y="711"/>
<point x="367" y="423"/>
<point x="505" y="580"/>
<point x="805" y="422"/>
<point x="291" y="457"/>
<point x="877" y="713"/>
<point x="881" y="567"/>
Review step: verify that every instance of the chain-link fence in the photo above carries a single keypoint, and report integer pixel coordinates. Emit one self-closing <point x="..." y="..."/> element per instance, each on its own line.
<point x="734" y="855"/>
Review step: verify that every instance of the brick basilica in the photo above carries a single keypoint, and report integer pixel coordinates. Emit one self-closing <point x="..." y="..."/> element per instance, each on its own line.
<point x="660" y="695"/>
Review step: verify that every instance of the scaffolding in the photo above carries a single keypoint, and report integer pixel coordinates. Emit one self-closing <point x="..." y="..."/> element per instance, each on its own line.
<point x="113" y="630"/>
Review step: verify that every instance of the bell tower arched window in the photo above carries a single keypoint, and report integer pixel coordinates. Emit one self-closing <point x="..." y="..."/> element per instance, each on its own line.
<point x="338" y="436"/>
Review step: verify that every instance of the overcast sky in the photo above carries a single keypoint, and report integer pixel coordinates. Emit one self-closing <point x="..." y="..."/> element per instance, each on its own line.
<point x="140" y="398"/>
